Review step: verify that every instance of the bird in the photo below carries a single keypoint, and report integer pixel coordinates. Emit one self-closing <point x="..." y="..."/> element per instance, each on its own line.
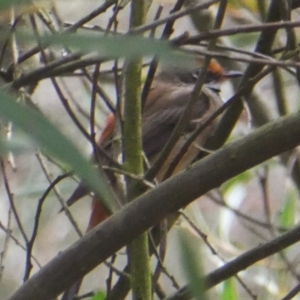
<point x="167" y="99"/>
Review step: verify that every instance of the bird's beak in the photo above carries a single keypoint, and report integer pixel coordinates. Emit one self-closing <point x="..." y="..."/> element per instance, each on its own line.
<point x="232" y="74"/>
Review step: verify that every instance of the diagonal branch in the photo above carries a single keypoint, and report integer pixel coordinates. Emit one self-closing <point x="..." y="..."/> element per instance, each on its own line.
<point x="149" y="209"/>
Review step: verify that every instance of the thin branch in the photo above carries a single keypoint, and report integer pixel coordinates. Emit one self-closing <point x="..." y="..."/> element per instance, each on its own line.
<point x="173" y="17"/>
<point x="244" y="261"/>
<point x="38" y="213"/>
<point x="4" y="250"/>
<point x="89" y="17"/>
<point x="241" y="215"/>
<point x="95" y="13"/>
<point x="17" y="242"/>
<point x="108" y="102"/>
<point x="93" y="112"/>
<point x="267" y="60"/>
<point x="211" y="34"/>
<point x="168" y="30"/>
<point x="12" y="202"/>
<point x="292" y="293"/>
<point x="57" y="193"/>
<point x="204" y="238"/>
<point x="7" y="39"/>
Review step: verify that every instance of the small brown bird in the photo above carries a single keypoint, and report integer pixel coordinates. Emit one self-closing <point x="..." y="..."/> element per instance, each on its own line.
<point x="166" y="101"/>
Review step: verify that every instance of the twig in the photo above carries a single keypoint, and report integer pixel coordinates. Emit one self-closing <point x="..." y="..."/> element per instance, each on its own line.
<point x="101" y="9"/>
<point x="17" y="242"/>
<point x="211" y="34"/>
<point x="204" y="238"/>
<point x="92" y="112"/>
<point x="168" y="30"/>
<point x="173" y="17"/>
<point x="6" y="242"/>
<point x="12" y="202"/>
<point x="38" y="213"/>
<point x="57" y="193"/>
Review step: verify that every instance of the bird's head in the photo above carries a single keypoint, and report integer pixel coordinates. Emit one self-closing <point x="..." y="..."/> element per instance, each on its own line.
<point x="189" y="74"/>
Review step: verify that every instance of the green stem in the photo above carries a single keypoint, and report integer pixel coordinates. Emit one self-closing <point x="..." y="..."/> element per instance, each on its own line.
<point x="138" y="250"/>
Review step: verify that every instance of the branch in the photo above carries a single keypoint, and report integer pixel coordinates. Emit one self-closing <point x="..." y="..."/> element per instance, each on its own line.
<point x="149" y="209"/>
<point x="216" y="33"/>
<point x="138" y="249"/>
<point x="173" y="17"/>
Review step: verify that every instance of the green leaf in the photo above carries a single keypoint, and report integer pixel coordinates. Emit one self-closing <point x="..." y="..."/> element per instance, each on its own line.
<point x="242" y="178"/>
<point x="129" y="46"/>
<point x="6" y="3"/>
<point x="99" y="296"/>
<point x="51" y="140"/>
<point x="192" y="267"/>
<point x="229" y="290"/>
<point x="287" y="216"/>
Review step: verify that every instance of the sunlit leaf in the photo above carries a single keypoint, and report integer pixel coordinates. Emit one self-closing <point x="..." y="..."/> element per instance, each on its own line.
<point x="251" y="5"/>
<point x="99" y="296"/>
<point x="229" y="290"/>
<point x="242" y="178"/>
<point x="287" y="216"/>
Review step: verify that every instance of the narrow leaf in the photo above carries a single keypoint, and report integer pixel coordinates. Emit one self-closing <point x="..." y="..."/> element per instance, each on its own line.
<point x="229" y="290"/>
<point x="127" y="46"/>
<point x="192" y="268"/>
<point x="287" y="216"/>
<point x="51" y="140"/>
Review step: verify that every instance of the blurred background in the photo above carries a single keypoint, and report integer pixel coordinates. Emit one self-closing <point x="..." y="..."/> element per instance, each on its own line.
<point x="250" y="209"/>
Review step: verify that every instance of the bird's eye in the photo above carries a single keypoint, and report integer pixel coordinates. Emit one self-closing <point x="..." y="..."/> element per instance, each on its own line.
<point x="188" y="77"/>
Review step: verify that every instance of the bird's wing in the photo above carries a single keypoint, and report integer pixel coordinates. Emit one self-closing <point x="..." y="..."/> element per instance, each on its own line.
<point x="161" y="116"/>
